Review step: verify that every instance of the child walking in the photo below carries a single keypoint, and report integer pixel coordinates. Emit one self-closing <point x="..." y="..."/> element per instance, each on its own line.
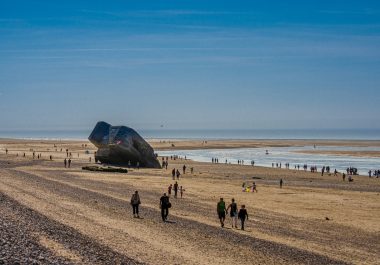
<point x="242" y="216"/>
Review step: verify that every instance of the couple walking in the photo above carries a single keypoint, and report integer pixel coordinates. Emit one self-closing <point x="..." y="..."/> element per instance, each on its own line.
<point x="164" y="205"/>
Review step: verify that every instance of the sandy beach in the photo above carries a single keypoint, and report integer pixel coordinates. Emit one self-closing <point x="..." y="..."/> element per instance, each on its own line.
<point x="271" y="106"/>
<point x="71" y="216"/>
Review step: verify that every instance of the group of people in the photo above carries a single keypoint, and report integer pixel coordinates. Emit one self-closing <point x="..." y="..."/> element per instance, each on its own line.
<point x="165" y="164"/>
<point x="249" y="188"/>
<point x="38" y="155"/>
<point x="350" y="179"/>
<point x="175" y="188"/>
<point x="326" y="169"/>
<point x="175" y="173"/>
<point x="222" y="211"/>
<point x="164" y="205"/>
<point x="33" y="154"/>
<point x="352" y="171"/>
<point x="215" y="160"/>
<point x="305" y="167"/>
<point x="313" y="169"/>
<point x="287" y="166"/>
<point x="174" y="157"/>
<point x="374" y="173"/>
<point x="67" y="162"/>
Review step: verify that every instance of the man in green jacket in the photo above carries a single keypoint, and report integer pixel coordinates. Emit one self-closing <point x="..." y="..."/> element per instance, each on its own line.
<point x="221" y="210"/>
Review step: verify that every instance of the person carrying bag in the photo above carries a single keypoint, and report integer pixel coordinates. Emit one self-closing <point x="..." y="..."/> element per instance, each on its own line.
<point x="135" y="202"/>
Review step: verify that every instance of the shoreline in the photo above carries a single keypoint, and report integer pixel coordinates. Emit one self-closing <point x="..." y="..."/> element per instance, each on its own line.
<point x="233" y="146"/>
<point x="191" y="144"/>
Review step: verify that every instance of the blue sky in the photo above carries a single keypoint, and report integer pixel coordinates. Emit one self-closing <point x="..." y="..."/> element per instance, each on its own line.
<point x="189" y="64"/>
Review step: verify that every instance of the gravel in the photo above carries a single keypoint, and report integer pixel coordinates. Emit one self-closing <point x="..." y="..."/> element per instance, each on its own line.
<point x="19" y="244"/>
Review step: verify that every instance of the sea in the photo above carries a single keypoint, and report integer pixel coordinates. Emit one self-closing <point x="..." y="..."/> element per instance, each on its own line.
<point x="276" y="155"/>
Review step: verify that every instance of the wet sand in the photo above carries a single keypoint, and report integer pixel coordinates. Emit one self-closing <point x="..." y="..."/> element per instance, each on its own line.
<point x="222" y="144"/>
<point x="343" y="153"/>
<point x="78" y="217"/>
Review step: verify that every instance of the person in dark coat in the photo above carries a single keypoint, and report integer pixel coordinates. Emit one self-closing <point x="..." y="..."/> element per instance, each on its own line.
<point x="242" y="215"/>
<point x="164" y="205"/>
<point x="135" y="202"/>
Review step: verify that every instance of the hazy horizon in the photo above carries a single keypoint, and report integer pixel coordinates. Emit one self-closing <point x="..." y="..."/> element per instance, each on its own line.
<point x="190" y="64"/>
<point x="206" y="134"/>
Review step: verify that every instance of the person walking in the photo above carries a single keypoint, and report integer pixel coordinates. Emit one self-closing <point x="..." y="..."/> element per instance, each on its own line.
<point x="242" y="216"/>
<point x="135" y="202"/>
<point x="175" y="187"/>
<point x="65" y="162"/>
<point x="178" y="174"/>
<point x="170" y="189"/>
<point x="173" y="173"/>
<point x="221" y="210"/>
<point x="184" y="169"/>
<point x="181" y="190"/>
<point x="69" y="162"/>
<point x="281" y="182"/>
<point x="164" y="205"/>
<point x="233" y="212"/>
<point x="254" y="187"/>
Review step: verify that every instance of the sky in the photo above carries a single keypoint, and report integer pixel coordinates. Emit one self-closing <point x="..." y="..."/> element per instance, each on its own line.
<point x="189" y="64"/>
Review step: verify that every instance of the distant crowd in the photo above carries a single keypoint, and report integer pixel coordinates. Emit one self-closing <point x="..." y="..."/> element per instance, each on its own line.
<point x="374" y="173"/>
